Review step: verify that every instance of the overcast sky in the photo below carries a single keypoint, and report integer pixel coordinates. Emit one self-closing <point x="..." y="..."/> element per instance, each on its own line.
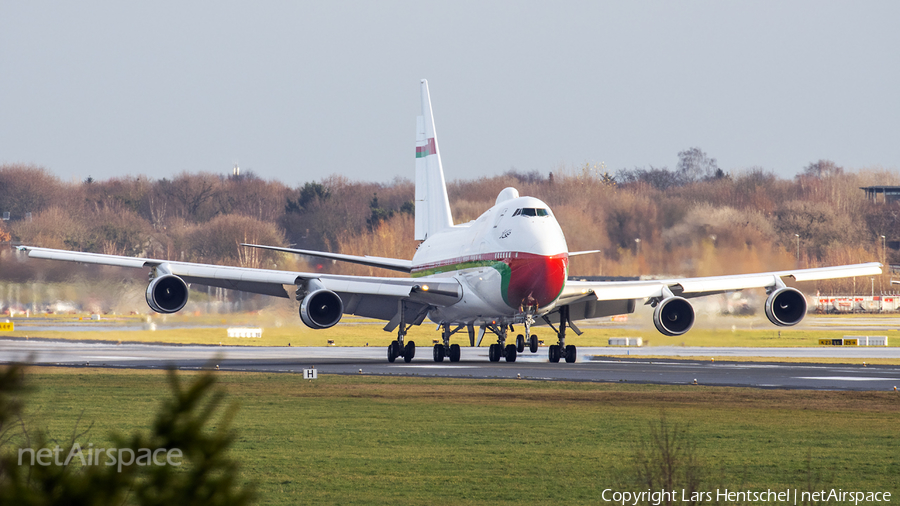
<point x="296" y="91"/>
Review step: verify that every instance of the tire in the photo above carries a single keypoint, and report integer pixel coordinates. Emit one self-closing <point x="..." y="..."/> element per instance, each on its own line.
<point x="392" y="352"/>
<point x="533" y="343"/>
<point x="409" y="351"/>
<point x="511" y="353"/>
<point x="494" y="353"/>
<point x="455" y="353"/>
<point x="520" y="343"/>
<point x="439" y="353"/>
<point x="554" y="353"/>
<point x="571" y="354"/>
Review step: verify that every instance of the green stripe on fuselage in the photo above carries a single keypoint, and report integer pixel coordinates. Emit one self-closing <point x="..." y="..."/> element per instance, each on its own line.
<point x="501" y="267"/>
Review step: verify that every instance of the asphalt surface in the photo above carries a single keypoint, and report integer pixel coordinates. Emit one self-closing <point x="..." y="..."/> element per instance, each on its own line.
<point x="602" y="364"/>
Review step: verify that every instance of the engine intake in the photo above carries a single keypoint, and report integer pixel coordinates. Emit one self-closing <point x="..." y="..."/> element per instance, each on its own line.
<point x="167" y="294"/>
<point x="673" y="316"/>
<point x="785" y="307"/>
<point x="321" y="309"/>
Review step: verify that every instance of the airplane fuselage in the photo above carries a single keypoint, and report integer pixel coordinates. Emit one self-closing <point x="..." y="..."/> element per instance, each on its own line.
<point x="514" y="256"/>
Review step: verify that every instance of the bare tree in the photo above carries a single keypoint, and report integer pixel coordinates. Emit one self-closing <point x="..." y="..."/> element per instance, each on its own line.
<point x="694" y="165"/>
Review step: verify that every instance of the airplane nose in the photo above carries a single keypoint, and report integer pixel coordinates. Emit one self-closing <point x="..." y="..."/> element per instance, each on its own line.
<point x="536" y="279"/>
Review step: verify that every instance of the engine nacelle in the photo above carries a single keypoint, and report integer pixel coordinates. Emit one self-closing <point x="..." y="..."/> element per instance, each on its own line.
<point x="786" y="306"/>
<point x="321" y="309"/>
<point x="673" y="316"/>
<point x="167" y="294"/>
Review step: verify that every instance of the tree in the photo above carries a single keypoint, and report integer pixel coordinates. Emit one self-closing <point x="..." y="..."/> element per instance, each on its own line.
<point x="192" y="195"/>
<point x="694" y="165"/>
<point x="822" y="169"/>
<point x="660" y="179"/>
<point x="817" y="223"/>
<point x="379" y="214"/>
<point x="28" y="189"/>
<point x="306" y="195"/>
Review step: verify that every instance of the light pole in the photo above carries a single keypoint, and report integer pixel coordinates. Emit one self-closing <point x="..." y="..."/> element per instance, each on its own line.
<point x="883" y="261"/>
<point x="797" y="236"/>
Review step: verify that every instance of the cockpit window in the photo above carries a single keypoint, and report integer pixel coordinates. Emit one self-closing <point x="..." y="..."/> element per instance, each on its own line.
<point x="531" y="211"/>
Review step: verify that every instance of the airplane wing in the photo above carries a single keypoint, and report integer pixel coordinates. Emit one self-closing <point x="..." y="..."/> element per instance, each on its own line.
<point x="595" y="299"/>
<point x="373" y="297"/>
<point x="698" y="287"/>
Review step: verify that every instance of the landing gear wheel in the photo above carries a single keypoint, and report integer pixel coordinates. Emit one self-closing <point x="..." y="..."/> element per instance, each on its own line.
<point x="439" y="353"/>
<point x="393" y="351"/>
<point x="409" y="351"/>
<point x="520" y="343"/>
<point x="533" y="344"/>
<point x="510" y="353"/>
<point x="494" y="353"/>
<point x="554" y="353"/>
<point x="454" y="353"/>
<point x="571" y="354"/>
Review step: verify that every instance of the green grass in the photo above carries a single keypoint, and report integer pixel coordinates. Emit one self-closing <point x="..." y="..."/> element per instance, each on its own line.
<point x="365" y="440"/>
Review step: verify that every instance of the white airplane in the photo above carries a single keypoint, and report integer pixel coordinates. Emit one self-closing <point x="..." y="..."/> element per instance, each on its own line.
<point x="507" y="268"/>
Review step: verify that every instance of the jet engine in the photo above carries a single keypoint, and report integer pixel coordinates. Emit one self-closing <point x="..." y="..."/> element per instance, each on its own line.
<point x="785" y="306"/>
<point x="673" y="316"/>
<point x="321" y="309"/>
<point x="167" y="294"/>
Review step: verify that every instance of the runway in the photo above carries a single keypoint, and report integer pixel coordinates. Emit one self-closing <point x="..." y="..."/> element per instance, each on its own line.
<point x="594" y="364"/>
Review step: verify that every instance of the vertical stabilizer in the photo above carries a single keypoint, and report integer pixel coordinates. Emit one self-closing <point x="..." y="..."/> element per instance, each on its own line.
<point x="432" y="204"/>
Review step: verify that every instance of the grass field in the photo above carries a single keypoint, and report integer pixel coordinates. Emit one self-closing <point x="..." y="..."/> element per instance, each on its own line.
<point x="363" y="440"/>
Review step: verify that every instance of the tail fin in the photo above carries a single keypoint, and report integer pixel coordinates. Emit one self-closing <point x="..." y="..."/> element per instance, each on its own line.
<point x="432" y="204"/>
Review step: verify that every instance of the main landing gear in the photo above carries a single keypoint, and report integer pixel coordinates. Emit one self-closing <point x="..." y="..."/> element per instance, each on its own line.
<point x="446" y="349"/>
<point x="500" y="349"/>
<point x="558" y="351"/>
<point x="398" y="348"/>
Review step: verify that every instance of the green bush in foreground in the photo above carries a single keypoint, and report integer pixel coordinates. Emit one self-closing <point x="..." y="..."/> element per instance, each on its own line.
<point x="201" y="472"/>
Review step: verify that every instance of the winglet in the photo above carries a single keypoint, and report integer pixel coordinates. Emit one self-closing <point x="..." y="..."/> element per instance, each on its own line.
<point x="432" y="203"/>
